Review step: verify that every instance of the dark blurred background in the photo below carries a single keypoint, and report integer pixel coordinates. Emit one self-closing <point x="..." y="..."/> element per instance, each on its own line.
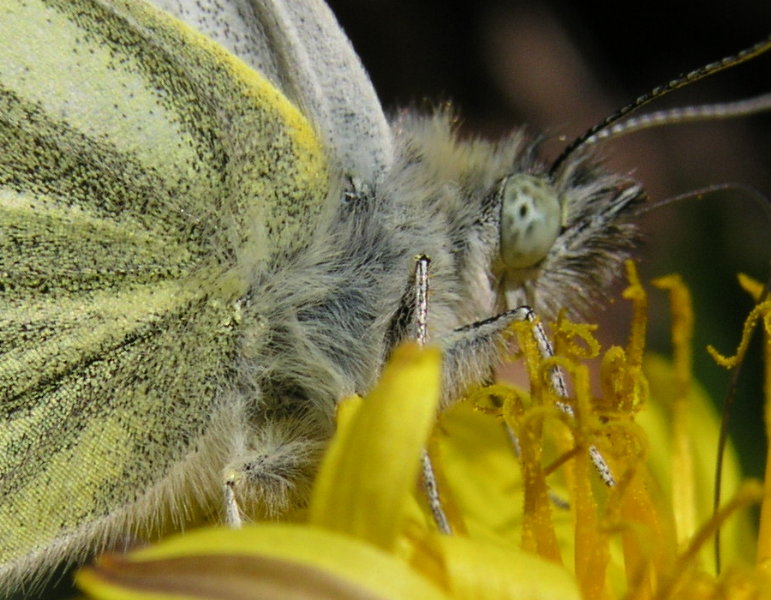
<point x="560" y="67"/>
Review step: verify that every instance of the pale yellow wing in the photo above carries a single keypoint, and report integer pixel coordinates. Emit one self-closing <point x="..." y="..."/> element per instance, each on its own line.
<point x="146" y="178"/>
<point x="299" y="46"/>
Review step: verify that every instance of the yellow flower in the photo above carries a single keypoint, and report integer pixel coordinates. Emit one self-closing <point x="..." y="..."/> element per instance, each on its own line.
<point x="531" y="517"/>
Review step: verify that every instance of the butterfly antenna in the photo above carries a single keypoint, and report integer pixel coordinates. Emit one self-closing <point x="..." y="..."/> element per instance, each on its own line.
<point x="685" y="114"/>
<point x="682" y="80"/>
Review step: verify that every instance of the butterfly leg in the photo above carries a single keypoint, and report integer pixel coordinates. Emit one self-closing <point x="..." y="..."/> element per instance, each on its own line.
<point x="233" y="518"/>
<point x="430" y="485"/>
<point x="474" y="347"/>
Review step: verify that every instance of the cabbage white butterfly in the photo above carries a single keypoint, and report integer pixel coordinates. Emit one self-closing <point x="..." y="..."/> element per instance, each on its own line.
<point x="207" y="228"/>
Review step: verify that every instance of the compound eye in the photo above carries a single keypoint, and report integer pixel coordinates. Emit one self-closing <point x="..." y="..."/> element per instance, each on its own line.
<point x="531" y="219"/>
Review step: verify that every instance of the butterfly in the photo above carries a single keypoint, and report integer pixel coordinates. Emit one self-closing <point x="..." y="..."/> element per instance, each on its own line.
<point x="207" y="238"/>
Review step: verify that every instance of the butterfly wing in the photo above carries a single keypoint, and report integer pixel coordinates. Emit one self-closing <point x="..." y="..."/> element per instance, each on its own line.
<point x="301" y="48"/>
<point x="145" y="176"/>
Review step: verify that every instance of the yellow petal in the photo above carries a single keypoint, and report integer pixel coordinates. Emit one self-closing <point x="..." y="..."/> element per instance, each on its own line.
<point x="366" y="477"/>
<point x="267" y="561"/>
<point x="487" y="570"/>
<point x="479" y="462"/>
<point x="704" y="425"/>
